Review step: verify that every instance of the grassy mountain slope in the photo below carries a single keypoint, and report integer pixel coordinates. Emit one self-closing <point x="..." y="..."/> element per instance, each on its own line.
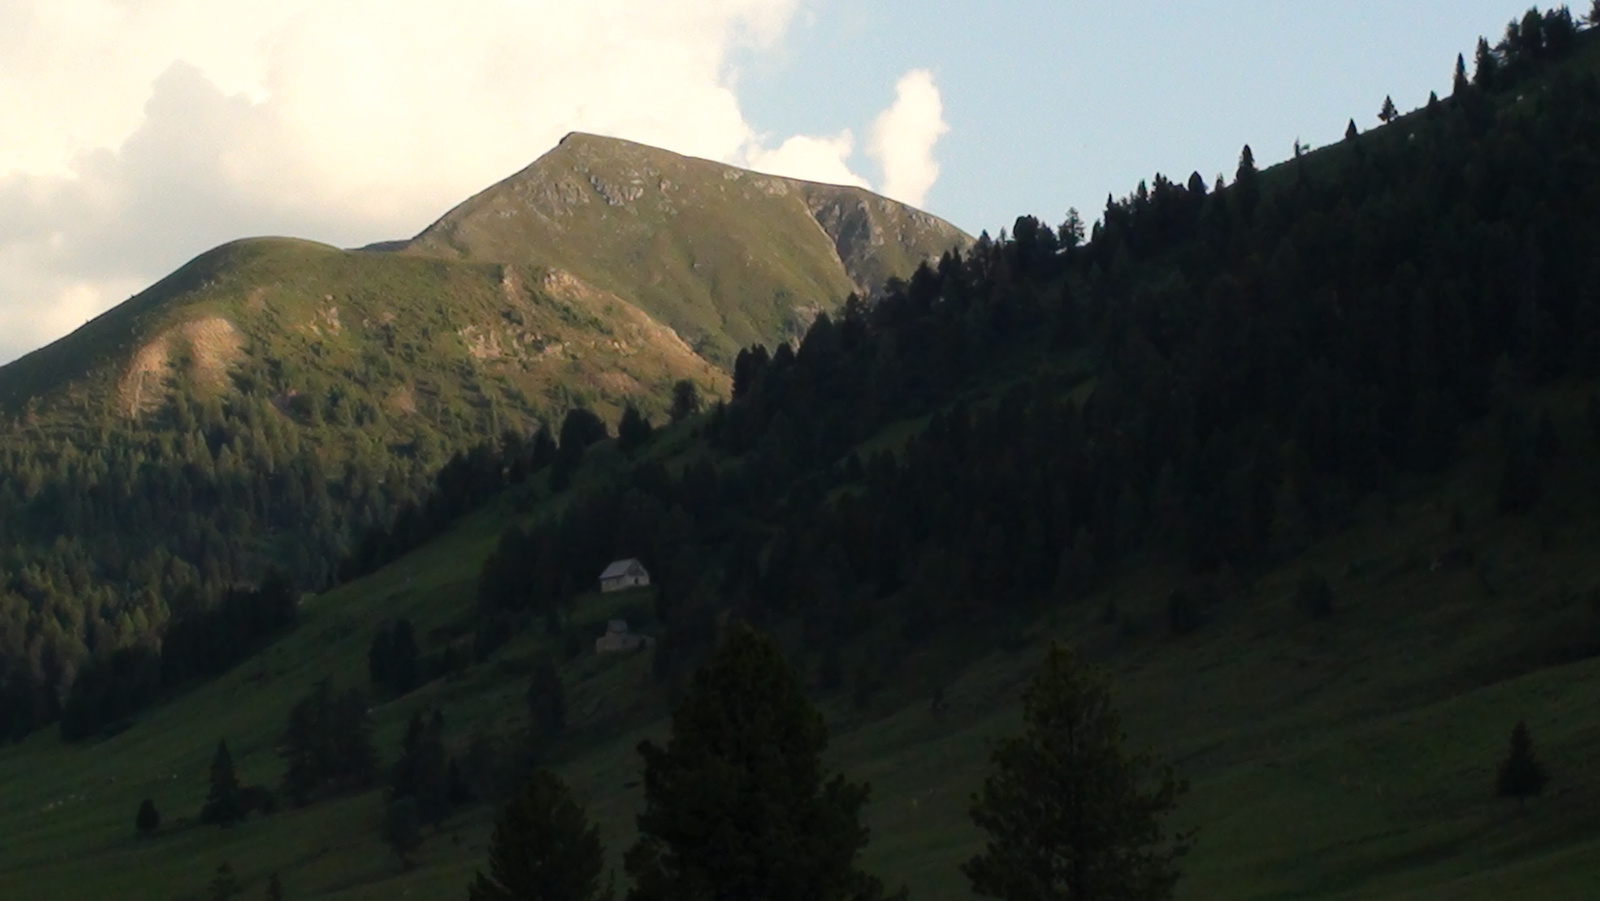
<point x="271" y="399"/>
<point x="727" y="257"/>
<point x="1370" y="365"/>
<point x="1340" y="760"/>
<point x="408" y="334"/>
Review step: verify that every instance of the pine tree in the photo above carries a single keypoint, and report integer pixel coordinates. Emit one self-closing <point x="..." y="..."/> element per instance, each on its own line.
<point x="547" y="705"/>
<point x="543" y="848"/>
<point x="1521" y="775"/>
<point x="1459" y="83"/>
<point x="1246" y="183"/>
<point x="1388" y="113"/>
<point x="402" y="830"/>
<point x="685" y="400"/>
<point x="224" y="885"/>
<point x="148" y="819"/>
<point x="1487" y="74"/>
<point x="633" y="430"/>
<point x="1351" y="132"/>
<point x="224" y="802"/>
<point x="1070" y="813"/>
<point x="737" y="805"/>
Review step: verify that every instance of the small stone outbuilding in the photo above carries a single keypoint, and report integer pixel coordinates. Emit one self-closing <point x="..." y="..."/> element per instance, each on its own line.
<point x="623" y="574"/>
<point x="618" y="638"/>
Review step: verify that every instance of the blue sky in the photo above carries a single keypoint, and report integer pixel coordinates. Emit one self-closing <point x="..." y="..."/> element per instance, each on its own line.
<point x="1057" y="104"/>
<point x="140" y="133"/>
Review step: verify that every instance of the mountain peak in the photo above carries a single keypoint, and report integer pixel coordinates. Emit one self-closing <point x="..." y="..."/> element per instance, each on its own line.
<point x="727" y="257"/>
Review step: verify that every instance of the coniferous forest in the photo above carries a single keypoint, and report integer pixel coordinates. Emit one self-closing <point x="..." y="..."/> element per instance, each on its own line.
<point x="1207" y="380"/>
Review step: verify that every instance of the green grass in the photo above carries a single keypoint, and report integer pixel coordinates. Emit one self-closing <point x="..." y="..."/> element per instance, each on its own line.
<point x="726" y="257"/>
<point x="1343" y="759"/>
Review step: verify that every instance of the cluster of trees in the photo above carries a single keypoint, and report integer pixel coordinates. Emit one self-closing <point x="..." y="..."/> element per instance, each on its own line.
<point x="327" y="748"/>
<point x="739" y="805"/>
<point x="201" y="640"/>
<point x="1220" y="371"/>
<point x="424" y="786"/>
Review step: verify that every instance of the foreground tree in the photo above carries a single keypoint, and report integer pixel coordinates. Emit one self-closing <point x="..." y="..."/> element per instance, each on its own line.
<point x="544" y="849"/>
<point x="225" y="800"/>
<point x="1070" y="813"/>
<point x="1521" y="775"/>
<point x="737" y="805"/>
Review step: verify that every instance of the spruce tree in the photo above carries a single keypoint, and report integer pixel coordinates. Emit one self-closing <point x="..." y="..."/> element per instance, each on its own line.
<point x="1388" y="113"/>
<point x="738" y="805"/>
<point x="685" y="400"/>
<point x="402" y="828"/>
<point x="1487" y="73"/>
<point x="148" y="820"/>
<point x="1246" y="183"/>
<point x="1071" y="814"/>
<point x="543" y="849"/>
<point x="1521" y="775"/>
<point x="224" y="885"/>
<point x="633" y="430"/>
<point x="224" y="802"/>
<point x="1351" y="132"/>
<point x="547" y="706"/>
<point x="1459" y="83"/>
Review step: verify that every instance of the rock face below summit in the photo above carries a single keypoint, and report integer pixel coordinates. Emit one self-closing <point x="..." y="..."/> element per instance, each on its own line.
<point x="727" y="257"/>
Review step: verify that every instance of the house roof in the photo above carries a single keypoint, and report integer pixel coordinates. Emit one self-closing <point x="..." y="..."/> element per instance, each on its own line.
<point x="619" y="568"/>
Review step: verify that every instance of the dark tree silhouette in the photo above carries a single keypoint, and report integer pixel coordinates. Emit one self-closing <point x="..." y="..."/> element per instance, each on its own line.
<point x="224" y="801"/>
<point x="402" y="829"/>
<point x="148" y="819"/>
<point x="737" y="805"/>
<point x="685" y="400"/>
<point x="224" y="885"/>
<point x="1521" y="775"/>
<point x="1388" y="113"/>
<point x="1072" y="815"/>
<point x="633" y="430"/>
<point x="543" y="847"/>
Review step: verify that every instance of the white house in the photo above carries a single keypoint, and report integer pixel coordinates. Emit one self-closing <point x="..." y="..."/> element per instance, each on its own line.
<point x="618" y="638"/>
<point x="622" y="574"/>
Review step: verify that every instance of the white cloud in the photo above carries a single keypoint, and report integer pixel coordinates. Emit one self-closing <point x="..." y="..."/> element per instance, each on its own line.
<point x="824" y="159"/>
<point x="904" y="135"/>
<point x="139" y="133"/>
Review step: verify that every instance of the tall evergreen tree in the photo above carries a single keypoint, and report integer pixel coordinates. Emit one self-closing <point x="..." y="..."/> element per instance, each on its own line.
<point x="1487" y="74"/>
<point x="224" y="801"/>
<point x="1459" y="82"/>
<point x="148" y="820"/>
<point x="737" y="805"/>
<point x="1521" y="775"/>
<point x="547" y="704"/>
<point x="1071" y="814"/>
<point x="1246" y="182"/>
<point x="1388" y="113"/>
<point x="224" y="885"/>
<point x="543" y="849"/>
<point x="685" y="400"/>
<point x="1351" y="132"/>
<point x="402" y="828"/>
<point x="633" y="430"/>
